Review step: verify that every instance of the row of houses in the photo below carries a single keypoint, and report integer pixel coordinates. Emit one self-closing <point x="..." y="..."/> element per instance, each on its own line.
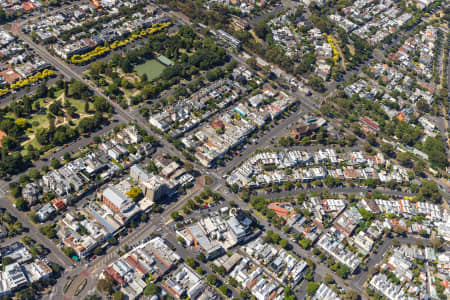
<point x="270" y="167"/>
<point x="406" y="208"/>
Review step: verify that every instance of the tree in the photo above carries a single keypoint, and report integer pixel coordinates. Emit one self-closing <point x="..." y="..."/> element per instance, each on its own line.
<point x="435" y="148"/>
<point x="372" y="139"/>
<point x="21" y="204"/>
<point x="352" y="295"/>
<point x="55" y="164"/>
<point x="400" y="231"/>
<point x="311" y="288"/>
<point x="199" y="270"/>
<point x="343" y="271"/>
<point x="224" y="289"/>
<point x="69" y="252"/>
<point x="261" y="29"/>
<point x="387" y="149"/>
<point x="190" y="262"/>
<point x="78" y="90"/>
<point x="395" y="242"/>
<point x="34" y="174"/>
<point x="419" y="167"/>
<point x="429" y="191"/>
<point x="252" y="62"/>
<point x="328" y="279"/>
<point x="175" y="215"/>
<point x="9" y="143"/>
<point x="67" y="156"/>
<point x="436" y="243"/>
<point x="423" y="233"/>
<point x="125" y="65"/>
<point x="221" y="271"/>
<point x="316" y="83"/>
<point x="201" y="257"/>
<point x="97" y="68"/>
<point x="26" y="240"/>
<point x="112" y="241"/>
<point x="101" y="104"/>
<point x="134" y="192"/>
<point x="305" y="243"/>
<point x="55" y="109"/>
<point x="405" y="159"/>
<point x="21" y="122"/>
<point x="98" y="251"/>
<point x="152" y="289"/>
<point x="284" y="243"/>
<point x="105" y="285"/>
<point x="211" y="279"/>
<point x="7" y="261"/>
<point x="307" y="63"/>
<point x="118" y="295"/>
<point x="42" y="91"/>
<point x="422" y="105"/>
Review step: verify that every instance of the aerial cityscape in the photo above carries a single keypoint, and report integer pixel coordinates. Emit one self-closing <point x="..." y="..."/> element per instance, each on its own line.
<point x="224" y="149"/>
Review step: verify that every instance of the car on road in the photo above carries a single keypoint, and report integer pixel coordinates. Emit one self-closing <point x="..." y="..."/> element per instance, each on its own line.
<point x="67" y="277"/>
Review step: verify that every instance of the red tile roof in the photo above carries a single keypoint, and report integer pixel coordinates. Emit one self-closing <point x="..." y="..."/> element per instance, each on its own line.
<point x="10" y="75"/>
<point x="58" y="203"/>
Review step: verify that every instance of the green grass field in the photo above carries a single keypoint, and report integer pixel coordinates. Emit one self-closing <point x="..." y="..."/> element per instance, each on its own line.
<point x="152" y="68"/>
